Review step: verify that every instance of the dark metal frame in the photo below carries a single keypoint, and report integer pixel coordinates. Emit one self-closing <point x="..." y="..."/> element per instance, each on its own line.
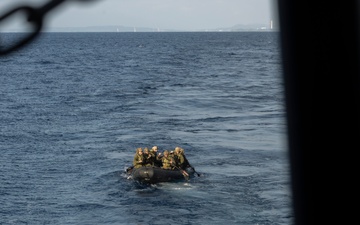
<point x="320" y="58"/>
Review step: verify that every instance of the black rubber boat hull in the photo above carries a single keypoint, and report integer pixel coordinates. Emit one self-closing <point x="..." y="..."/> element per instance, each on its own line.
<point x="155" y="174"/>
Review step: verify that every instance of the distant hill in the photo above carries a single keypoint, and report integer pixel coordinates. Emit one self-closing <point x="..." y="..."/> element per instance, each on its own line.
<point x="114" y="28"/>
<point x="101" y="29"/>
<point x="241" y="27"/>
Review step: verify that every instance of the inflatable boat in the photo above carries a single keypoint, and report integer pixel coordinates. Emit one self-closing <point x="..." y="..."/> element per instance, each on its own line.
<point x="153" y="175"/>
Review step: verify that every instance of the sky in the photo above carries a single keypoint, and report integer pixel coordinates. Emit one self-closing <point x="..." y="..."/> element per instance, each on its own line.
<point x="163" y="14"/>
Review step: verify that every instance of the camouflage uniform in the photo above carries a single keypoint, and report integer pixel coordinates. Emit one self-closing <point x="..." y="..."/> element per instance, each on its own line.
<point x="147" y="157"/>
<point x="167" y="160"/>
<point x="155" y="158"/>
<point x="181" y="160"/>
<point x="139" y="159"/>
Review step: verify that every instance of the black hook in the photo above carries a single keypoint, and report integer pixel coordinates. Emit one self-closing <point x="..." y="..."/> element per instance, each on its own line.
<point x="35" y="21"/>
<point x="35" y="17"/>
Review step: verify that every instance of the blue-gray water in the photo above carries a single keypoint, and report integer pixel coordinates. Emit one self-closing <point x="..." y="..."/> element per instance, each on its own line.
<point x="74" y="106"/>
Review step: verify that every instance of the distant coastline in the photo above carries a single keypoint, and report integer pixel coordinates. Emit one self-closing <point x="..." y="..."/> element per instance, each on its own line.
<point x="114" y="28"/>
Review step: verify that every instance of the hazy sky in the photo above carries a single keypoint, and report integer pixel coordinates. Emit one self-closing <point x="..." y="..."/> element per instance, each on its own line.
<point x="163" y="14"/>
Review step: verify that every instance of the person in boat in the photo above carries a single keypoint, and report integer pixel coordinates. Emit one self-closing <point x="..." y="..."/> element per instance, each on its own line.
<point x="180" y="158"/>
<point x="186" y="162"/>
<point x="155" y="156"/>
<point x="147" y="157"/>
<point x="167" y="161"/>
<point x="139" y="159"/>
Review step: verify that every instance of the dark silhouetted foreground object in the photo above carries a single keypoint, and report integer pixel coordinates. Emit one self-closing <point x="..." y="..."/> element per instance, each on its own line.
<point x="320" y="57"/>
<point x="35" y="20"/>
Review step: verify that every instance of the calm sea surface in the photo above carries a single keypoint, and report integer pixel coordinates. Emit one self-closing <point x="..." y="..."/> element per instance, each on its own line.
<point x="75" y="106"/>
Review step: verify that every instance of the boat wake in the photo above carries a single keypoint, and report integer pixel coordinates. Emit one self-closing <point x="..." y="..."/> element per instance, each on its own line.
<point x="174" y="186"/>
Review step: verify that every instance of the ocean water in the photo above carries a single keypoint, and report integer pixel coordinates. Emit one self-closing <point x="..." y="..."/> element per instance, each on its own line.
<point x="75" y="106"/>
